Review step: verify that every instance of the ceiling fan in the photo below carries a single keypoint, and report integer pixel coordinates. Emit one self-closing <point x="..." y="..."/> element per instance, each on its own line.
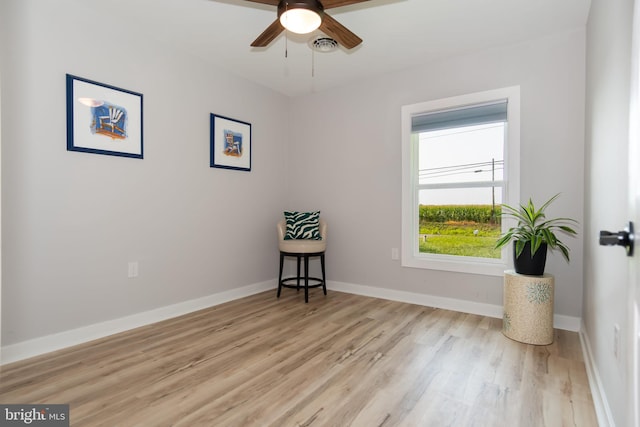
<point x="305" y="16"/>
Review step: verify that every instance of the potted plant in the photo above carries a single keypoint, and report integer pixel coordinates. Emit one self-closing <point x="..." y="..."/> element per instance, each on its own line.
<point x="533" y="235"/>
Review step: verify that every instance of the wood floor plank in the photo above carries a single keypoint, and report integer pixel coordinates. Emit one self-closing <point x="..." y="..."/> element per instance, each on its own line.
<point x="341" y="360"/>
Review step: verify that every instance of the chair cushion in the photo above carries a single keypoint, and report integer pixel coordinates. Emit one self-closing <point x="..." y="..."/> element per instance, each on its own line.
<point x="302" y="246"/>
<point x="302" y="225"/>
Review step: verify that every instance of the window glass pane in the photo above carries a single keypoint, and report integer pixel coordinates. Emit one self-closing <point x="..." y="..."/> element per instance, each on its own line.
<point x="462" y="222"/>
<point x="464" y="154"/>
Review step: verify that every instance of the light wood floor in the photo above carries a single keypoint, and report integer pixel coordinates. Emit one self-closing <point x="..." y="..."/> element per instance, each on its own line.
<point x="341" y="360"/>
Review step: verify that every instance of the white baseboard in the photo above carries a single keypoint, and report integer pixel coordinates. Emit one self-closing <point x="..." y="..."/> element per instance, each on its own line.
<point x="49" y="343"/>
<point x="420" y="299"/>
<point x="568" y="323"/>
<point x="600" y="402"/>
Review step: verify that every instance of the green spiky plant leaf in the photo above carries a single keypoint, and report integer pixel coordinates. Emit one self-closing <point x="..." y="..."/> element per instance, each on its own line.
<point x="533" y="226"/>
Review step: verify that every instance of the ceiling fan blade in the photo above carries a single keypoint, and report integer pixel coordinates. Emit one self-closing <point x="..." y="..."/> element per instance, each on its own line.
<point x="328" y="4"/>
<point x="271" y="2"/>
<point x="336" y="30"/>
<point x="269" y="34"/>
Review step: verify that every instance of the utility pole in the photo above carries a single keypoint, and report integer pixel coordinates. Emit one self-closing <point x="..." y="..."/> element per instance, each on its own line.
<point x="493" y="189"/>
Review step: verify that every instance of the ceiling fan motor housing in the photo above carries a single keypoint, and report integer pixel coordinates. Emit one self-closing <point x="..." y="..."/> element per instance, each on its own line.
<point x="313" y="5"/>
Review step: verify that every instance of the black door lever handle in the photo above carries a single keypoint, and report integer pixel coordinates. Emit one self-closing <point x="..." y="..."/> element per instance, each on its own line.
<point x="621" y="238"/>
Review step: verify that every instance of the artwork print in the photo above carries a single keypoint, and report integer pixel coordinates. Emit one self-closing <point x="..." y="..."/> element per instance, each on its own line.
<point x="230" y="143"/>
<point x="103" y="119"/>
<point x="109" y="120"/>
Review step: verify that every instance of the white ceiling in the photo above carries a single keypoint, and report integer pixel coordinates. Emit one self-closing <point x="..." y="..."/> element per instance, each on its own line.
<point x="397" y="34"/>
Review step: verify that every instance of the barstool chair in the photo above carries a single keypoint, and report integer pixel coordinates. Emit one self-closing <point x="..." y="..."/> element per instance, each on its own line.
<point x="302" y="249"/>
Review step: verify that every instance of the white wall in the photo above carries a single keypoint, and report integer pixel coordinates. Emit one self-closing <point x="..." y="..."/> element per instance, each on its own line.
<point x="607" y="111"/>
<point x="347" y="142"/>
<point x="72" y="221"/>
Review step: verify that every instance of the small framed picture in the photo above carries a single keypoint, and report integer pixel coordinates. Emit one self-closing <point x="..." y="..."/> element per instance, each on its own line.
<point x="103" y="119"/>
<point x="230" y="143"/>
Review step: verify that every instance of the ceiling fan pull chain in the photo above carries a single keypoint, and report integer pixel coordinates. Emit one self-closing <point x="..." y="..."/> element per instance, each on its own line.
<point x="286" y="32"/>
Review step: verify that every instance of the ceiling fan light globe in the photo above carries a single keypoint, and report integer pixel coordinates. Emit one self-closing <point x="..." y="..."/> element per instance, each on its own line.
<point x="300" y="21"/>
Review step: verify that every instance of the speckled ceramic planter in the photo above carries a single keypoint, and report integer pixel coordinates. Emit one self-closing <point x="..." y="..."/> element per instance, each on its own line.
<point x="528" y="308"/>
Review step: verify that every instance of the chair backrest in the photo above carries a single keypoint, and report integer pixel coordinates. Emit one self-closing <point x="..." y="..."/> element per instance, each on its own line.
<point x="282" y="229"/>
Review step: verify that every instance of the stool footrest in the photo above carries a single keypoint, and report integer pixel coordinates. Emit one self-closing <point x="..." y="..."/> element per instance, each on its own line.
<point x="286" y="282"/>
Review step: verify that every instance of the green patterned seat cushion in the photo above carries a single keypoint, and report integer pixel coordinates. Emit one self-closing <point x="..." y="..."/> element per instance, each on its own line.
<point x="302" y="225"/>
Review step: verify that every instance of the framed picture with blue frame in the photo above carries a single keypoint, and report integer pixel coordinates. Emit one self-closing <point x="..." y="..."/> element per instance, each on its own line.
<point x="103" y="119"/>
<point x="230" y="143"/>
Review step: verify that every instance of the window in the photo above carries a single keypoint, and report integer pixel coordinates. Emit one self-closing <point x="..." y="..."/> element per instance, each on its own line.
<point x="460" y="163"/>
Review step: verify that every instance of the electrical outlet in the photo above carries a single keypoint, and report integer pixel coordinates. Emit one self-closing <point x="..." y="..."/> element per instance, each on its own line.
<point x="395" y="254"/>
<point x="133" y="269"/>
<point x="616" y="340"/>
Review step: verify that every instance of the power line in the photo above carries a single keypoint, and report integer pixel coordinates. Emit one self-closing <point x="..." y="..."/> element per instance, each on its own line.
<point x="461" y="169"/>
<point x="465" y="165"/>
<point x="443" y="174"/>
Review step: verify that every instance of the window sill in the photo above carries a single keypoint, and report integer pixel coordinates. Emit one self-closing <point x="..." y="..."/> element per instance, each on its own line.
<point x="454" y="264"/>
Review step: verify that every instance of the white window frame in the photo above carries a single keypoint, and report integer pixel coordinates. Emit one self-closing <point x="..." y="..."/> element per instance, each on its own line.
<point x="411" y="256"/>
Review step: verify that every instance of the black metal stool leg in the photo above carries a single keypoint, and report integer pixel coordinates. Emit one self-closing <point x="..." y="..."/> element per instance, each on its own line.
<point x="280" y="274"/>
<point x="306" y="278"/>
<point x="324" y="279"/>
